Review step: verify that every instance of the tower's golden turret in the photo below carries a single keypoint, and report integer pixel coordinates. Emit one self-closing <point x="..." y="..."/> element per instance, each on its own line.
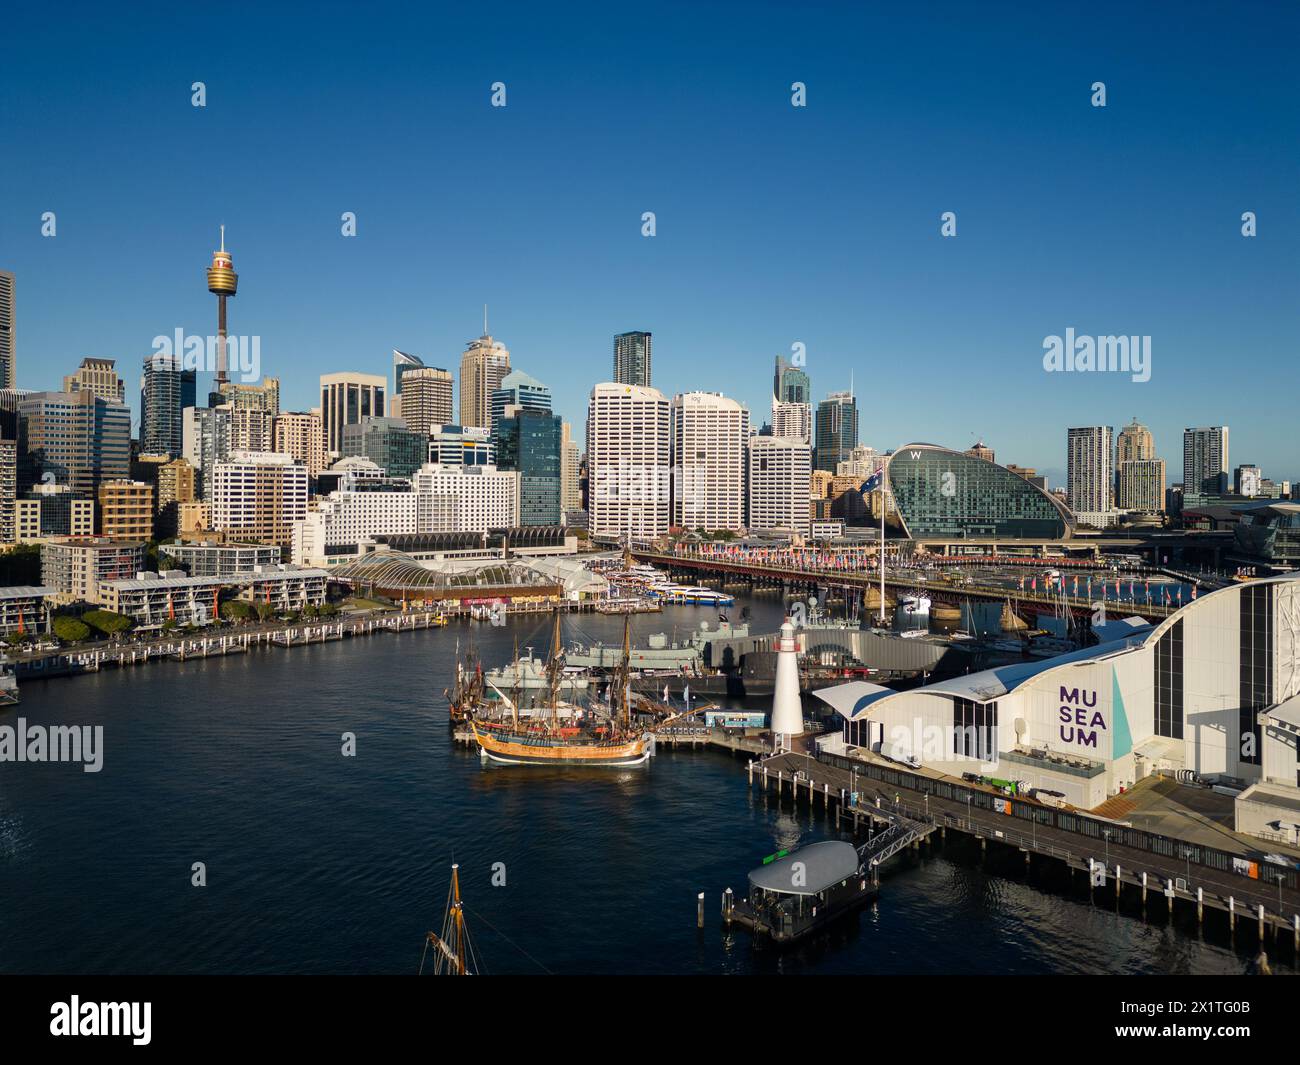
<point x="222" y="278"/>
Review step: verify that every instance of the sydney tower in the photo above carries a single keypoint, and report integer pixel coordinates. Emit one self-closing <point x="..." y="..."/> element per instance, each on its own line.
<point x="222" y="280"/>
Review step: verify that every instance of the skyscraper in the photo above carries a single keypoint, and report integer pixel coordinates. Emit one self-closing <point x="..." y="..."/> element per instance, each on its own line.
<point x="777" y="474"/>
<point x="1205" y="462"/>
<point x="299" y="433"/>
<point x="793" y="420"/>
<point x="627" y="461"/>
<point x="166" y="389"/>
<point x="529" y="441"/>
<point x="482" y="367"/>
<point x="403" y="363"/>
<point x="790" y="384"/>
<point x="709" y="433"/>
<point x="426" y="398"/>
<point x="346" y="398"/>
<point x="837" y="430"/>
<point x="632" y="358"/>
<point x="570" y="461"/>
<point x="8" y="355"/>
<point x="517" y="392"/>
<point x="1141" y="485"/>
<point x="73" y="439"/>
<point x="1088" y="471"/>
<point x="98" y="376"/>
<point x="205" y="442"/>
<point x="223" y="282"/>
<point x="1133" y="443"/>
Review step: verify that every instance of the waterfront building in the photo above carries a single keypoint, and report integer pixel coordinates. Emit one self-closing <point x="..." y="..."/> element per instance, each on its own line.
<point x="633" y="355"/>
<point x="75" y="567"/>
<point x="166" y="389"/>
<point x="346" y="398"/>
<point x="483" y="367"/>
<point x="530" y="442"/>
<point x="258" y="496"/>
<point x="426" y="398"/>
<point x="1214" y="688"/>
<point x="218" y="559"/>
<point x="98" y="376"/>
<point x="205" y="442"/>
<point x="155" y="599"/>
<point x="24" y="609"/>
<point x="777" y="473"/>
<point x="945" y="495"/>
<point x="570" y="471"/>
<point x="388" y="443"/>
<point x="461" y="445"/>
<point x="707" y="455"/>
<point x="1142" y="485"/>
<point x="1089" y="476"/>
<point x="837" y="430"/>
<point x="628" y="446"/>
<point x="126" y="510"/>
<point x="72" y="438"/>
<point x="1205" y="462"/>
<point x="300" y="434"/>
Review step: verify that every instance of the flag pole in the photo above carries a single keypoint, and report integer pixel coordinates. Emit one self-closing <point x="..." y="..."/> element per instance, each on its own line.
<point x="882" y="544"/>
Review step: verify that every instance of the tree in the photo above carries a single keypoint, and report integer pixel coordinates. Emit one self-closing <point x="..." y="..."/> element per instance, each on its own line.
<point x="69" y="629"/>
<point x="236" y="610"/>
<point x="107" y="621"/>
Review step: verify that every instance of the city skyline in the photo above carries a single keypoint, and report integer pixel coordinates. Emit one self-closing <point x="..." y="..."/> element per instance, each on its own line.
<point x="851" y="265"/>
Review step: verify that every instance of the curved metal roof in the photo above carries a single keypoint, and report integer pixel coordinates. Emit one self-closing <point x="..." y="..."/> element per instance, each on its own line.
<point x="809" y="869"/>
<point x="396" y="571"/>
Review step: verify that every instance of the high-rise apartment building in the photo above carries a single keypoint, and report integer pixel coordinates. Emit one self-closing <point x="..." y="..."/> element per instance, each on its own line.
<point x="99" y="376"/>
<point x="628" y="447"/>
<point x="708" y="433"/>
<point x="166" y="389"/>
<point x="1205" y="462"/>
<point x="837" y="430"/>
<point x="8" y="352"/>
<point x="247" y="396"/>
<point x="346" y="398"/>
<point x="483" y="367"/>
<point x="777" y="473"/>
<point x="1141" y="485"/>
<point x="792" y="419"/>
<point x="258" y="496"/>
<point x="633" y="354"/>
<point x="205" y="442"/>
<point x="250" y="429"/>
<point x="8" y="491"/>
<point x="426" y="398"/>
<point x="981" y="450"/>
<point x="300" y="434"/>
<point x="1088" y="471"/>
<point x="1134" y="443"/>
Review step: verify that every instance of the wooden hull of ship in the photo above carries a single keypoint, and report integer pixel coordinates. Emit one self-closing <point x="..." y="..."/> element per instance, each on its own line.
<point x="508" y="752"/>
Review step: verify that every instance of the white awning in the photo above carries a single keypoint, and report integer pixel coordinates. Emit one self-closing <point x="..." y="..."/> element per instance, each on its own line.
<point x="851" y="699"/>
<point x="1287" y="712"/>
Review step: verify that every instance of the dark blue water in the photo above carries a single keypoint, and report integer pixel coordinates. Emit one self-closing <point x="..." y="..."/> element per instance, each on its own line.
<point x="321" y="863"/>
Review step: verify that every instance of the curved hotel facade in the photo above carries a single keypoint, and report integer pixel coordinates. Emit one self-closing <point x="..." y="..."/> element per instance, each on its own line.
<point x="948" y="495"/>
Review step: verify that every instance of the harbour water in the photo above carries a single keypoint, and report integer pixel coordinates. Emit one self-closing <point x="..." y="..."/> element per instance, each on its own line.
<point x="321" y="863"/>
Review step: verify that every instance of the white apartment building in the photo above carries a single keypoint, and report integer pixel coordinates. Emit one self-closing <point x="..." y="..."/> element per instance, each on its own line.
<point x="778" y="471"/>
<point x="708" y="433"/>
<point x="628" y="453"/>
<point x="792" y="420"/>
<point x="1088" y="469"/>
<point x="481" y="497"/>
<point x="258" y="495"/>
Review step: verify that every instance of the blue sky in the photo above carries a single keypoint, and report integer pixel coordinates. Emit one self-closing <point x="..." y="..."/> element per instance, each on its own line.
<point x="776" y="225"/>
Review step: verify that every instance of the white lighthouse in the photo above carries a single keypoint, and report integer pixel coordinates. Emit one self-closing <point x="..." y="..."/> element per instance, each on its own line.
<point x="787" y="711"/>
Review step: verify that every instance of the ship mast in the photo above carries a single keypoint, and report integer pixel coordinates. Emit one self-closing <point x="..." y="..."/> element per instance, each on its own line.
<point x="553" y="666"/>
<point x="453" y="946"/>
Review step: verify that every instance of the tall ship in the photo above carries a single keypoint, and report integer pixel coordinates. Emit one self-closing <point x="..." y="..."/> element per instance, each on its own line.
<point x="565" y="733"/>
